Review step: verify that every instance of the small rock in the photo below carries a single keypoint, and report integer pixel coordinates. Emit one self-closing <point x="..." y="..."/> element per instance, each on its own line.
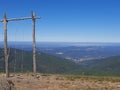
<point x="118" y="86"/>
<point x="37" y="76"/>
<point x="11" y="75"/>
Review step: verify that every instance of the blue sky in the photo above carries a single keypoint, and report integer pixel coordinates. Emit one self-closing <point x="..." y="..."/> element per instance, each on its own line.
<point x="64" y="20"/>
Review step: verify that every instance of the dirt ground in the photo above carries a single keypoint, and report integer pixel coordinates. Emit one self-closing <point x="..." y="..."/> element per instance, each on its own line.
<point x="61" y="82"/>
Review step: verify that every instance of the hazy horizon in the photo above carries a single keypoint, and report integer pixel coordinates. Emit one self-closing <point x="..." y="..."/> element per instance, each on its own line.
<point x="58" y="44"/>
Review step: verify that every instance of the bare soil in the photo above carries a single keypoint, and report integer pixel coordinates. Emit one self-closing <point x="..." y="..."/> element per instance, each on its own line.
<point x="62" y="82"/>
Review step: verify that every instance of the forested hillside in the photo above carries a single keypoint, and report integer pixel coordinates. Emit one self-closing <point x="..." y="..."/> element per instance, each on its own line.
<point x="21" y="61"/>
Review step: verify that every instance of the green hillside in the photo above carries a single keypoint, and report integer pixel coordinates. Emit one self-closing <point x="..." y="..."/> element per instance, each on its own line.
<point x="108" y="66"/>
<point x="22" y="61"/>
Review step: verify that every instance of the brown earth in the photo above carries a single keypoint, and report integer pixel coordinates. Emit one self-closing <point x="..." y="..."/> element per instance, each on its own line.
<point x="63" y="82"/>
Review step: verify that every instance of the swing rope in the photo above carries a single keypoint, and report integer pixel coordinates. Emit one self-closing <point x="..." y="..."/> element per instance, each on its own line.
<point x="22" y="52"/>
<point x="15" y="53"/>
<point x="1" y="37"/>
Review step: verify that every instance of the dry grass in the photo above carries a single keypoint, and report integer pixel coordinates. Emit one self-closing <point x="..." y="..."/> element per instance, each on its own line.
<point x="62" y="82"/>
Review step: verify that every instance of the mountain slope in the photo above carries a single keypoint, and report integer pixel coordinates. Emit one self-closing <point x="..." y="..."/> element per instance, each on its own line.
<point x="22" y="61"/>
<point x="107" y="66"/>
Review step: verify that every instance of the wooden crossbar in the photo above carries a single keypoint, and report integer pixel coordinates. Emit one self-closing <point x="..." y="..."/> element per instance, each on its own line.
<point x="16" y="19"/>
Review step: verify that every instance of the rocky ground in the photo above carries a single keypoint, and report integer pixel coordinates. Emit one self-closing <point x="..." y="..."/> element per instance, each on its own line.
<point x="60" y="82"/>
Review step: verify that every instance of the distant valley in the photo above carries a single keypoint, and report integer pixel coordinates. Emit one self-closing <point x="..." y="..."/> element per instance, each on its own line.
<point x="76" y="52"/>
<point x="83" y="53"/>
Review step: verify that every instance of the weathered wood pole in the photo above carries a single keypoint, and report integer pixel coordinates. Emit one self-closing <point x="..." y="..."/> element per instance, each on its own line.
<point x="5" y="47"/>
<point x="34" y="43"/>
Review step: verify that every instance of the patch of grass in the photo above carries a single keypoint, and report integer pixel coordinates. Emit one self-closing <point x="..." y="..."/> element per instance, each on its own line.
<point x="95" y="78"/>
<point x="45" y="74"/>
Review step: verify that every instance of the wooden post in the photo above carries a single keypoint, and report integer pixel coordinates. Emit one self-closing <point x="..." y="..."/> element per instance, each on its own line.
<point x="5" y="47"/>
<point x="34" y="43"/>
